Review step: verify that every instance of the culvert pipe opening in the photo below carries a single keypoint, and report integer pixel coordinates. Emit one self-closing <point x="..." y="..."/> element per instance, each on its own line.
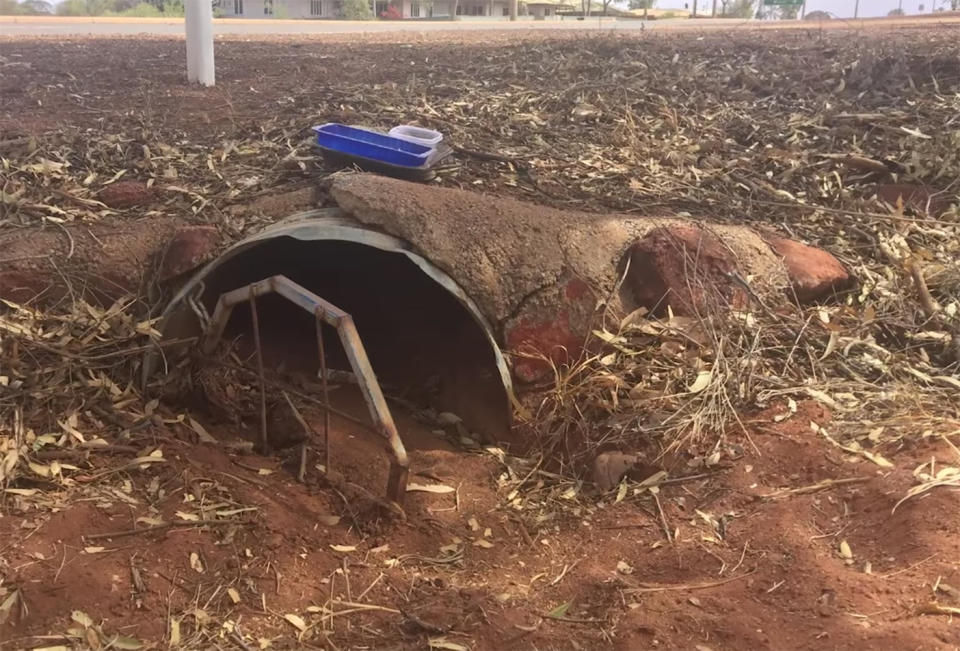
<point x="427" y="348"/>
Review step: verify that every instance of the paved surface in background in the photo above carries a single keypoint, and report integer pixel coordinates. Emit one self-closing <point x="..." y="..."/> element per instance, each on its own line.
<point x="59" y="26"/>
<point x="66" y="26"/>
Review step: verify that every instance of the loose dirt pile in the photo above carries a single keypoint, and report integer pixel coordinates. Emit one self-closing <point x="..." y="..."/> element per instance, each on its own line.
<point x="790" y="437"/>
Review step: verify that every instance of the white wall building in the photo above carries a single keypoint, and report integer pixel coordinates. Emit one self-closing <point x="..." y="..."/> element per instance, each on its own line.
<point x="423" y="9"/>
<point x="279" y="8"/>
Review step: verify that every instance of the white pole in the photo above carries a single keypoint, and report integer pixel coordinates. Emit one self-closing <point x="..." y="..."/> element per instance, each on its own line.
<point x="192" y="40"/>
<point x="199" y="24"/>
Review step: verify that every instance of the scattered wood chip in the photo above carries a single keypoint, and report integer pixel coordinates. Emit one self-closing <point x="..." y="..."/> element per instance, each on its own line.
<point x="429" y="488"/>
<point x="296" y="621"/>
<point x="446" y="645"/>
<point x="845" y="552"/>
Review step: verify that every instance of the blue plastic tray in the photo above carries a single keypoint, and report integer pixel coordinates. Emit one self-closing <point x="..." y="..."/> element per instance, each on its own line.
<point x="372" y="146"/>
<point x="424" y="172"/>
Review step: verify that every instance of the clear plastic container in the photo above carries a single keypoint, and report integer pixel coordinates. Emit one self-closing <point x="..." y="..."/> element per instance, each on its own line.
<point x="419" y="135"/>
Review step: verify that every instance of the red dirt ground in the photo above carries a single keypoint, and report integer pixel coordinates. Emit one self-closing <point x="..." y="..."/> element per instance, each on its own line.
<point x="736" y="561"/>
<point x="772" y="577"/>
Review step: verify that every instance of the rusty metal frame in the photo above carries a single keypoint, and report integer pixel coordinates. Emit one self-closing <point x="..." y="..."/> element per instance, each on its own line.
<point x="323" y="312"/>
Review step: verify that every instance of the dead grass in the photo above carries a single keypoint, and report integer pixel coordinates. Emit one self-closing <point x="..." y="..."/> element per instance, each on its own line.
<point x="683" y="382"/>
<point x="67" y="376"/>
<point x="781" y="130"/>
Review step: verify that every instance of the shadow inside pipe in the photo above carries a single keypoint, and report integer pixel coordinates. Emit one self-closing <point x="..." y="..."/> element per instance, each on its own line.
<point x="424" y="346"/>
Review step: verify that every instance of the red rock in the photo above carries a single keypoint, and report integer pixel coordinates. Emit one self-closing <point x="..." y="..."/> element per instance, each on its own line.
<point x="126" y="194"/>
<point x="535" y="343"/>
<point x="813" y="272"/>
<point x="549" y="329"/>
<point x="682" y="266"/>
<point x="189" y="247"/>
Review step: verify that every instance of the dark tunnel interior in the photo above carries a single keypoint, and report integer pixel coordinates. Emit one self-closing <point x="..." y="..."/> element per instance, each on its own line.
<point x="423" y="344"/>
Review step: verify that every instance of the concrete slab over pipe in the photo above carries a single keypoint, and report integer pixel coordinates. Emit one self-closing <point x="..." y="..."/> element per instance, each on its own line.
<point x="493" y="292"/>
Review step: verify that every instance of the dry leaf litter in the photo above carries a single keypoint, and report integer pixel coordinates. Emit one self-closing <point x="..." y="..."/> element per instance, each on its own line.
<point x="805" y="132"/>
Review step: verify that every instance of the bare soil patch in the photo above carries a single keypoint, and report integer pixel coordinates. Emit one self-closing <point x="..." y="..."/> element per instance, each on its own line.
<point x="749" y="564"/>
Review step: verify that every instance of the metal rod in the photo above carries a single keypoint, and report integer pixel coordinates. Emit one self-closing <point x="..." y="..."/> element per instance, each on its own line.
<point x="218" y="323"/>
<point x="353" y="346"/>
<point x="318" y="317"/>
<point x="307" y="433"/>
<point x="302" y="471"/>
<point x="264" y="441"/>
<point x="377" y="404"/>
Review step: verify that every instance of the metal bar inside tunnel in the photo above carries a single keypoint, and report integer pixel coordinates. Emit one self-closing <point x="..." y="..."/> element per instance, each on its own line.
<point x="255" y="320"/>
<point x="326" y="391"/>
<point x="377" y="404"/>
<point x="357" y="355"/>
<point x="327" y="229"/>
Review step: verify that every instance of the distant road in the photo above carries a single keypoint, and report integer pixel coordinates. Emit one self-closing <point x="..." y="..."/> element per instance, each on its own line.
<point x="63" y="26"/>
<point x="68" y="26"/>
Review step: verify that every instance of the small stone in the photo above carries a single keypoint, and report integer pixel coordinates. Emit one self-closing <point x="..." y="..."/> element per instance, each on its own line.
<point x="813" y="272"/>
<point x="283" y="428"/>
<point x="189" y="247"/>
<point x="126" y="194"/>
<point x="827" y="602"/>
<point x="446" y="419"/>
<point x="684" y="267"/>
<point x="610" y="467"/>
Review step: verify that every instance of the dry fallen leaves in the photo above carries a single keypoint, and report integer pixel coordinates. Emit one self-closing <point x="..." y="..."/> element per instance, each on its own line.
<point x="296" y="621"/>
<point x="429" y="488"/>
<point x="815" y="160"/>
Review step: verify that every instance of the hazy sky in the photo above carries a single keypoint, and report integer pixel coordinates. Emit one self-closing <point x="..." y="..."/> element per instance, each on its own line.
<point x="840" y="8"/>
